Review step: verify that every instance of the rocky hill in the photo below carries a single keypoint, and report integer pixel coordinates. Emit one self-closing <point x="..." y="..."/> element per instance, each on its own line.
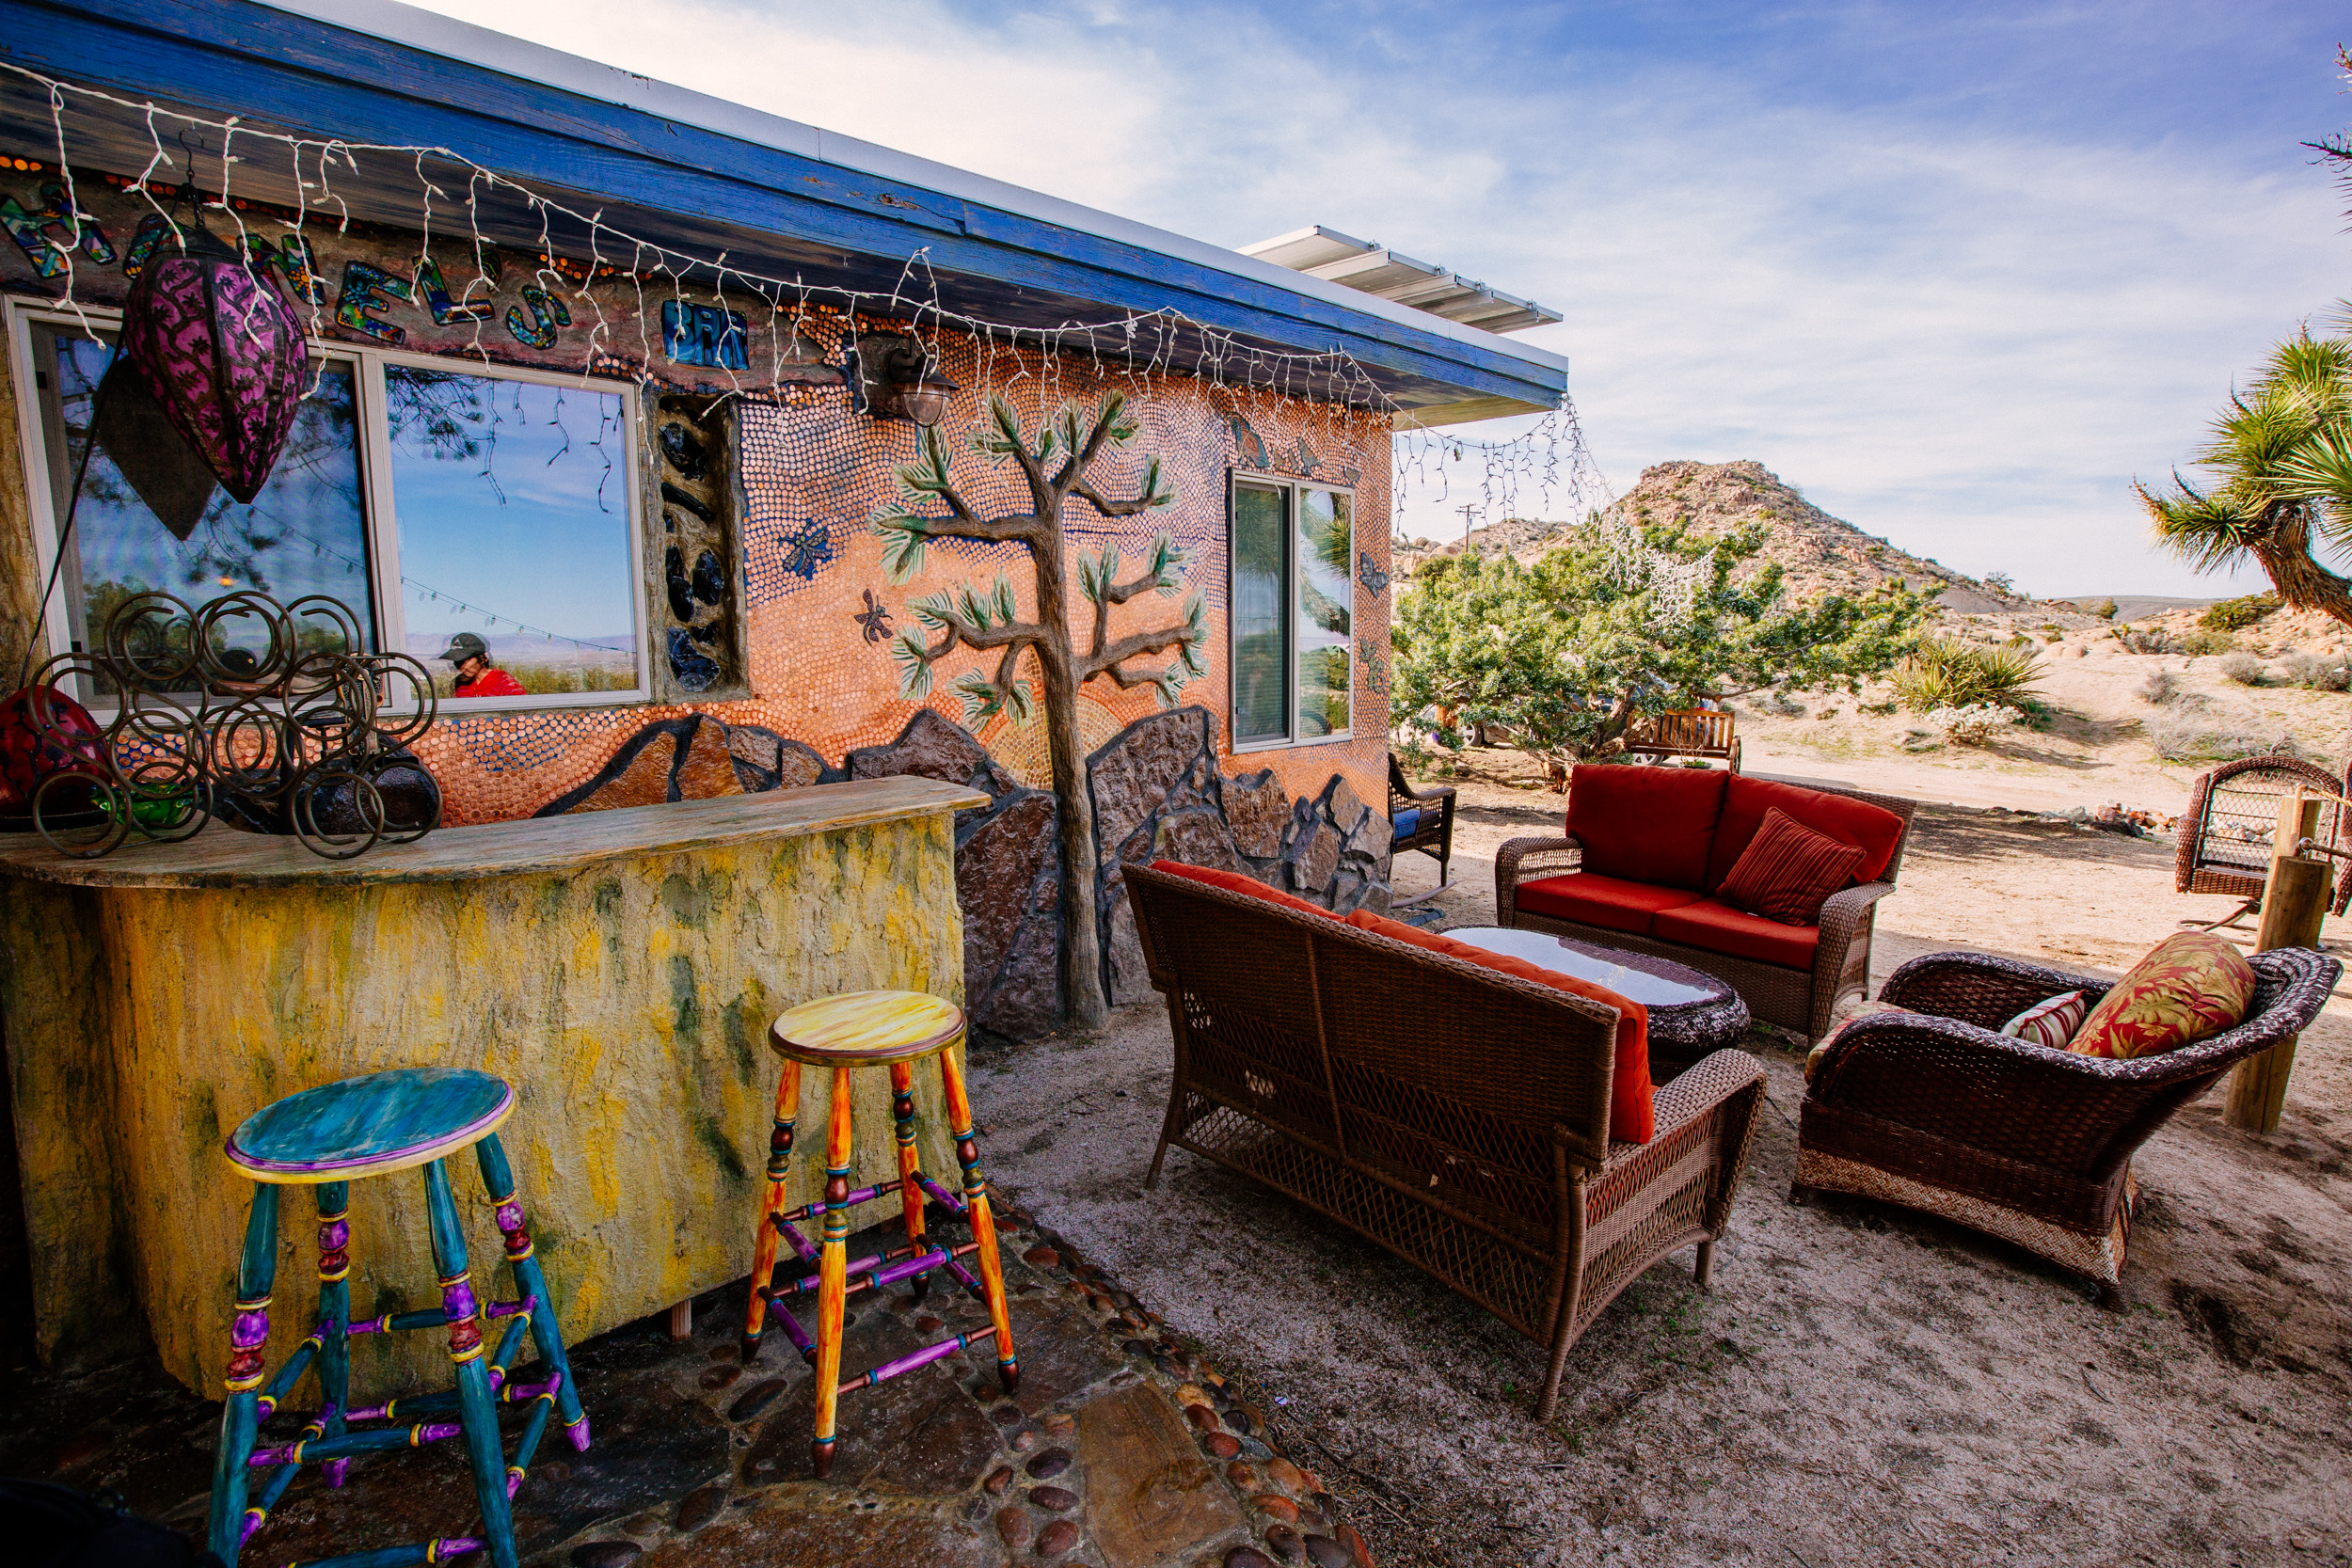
<point x="1821" y="554"/>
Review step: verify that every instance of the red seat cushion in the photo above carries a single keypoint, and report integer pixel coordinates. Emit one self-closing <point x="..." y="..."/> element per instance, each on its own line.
<point x="1720" y="928"/>
<point x="1631" y="1118"/>
<point x="1233" y="881"/>
<point x="1609" y="902"/>
<point x="1788" y="870"/>
<point x="1874" y="829"/>
<point x="1647" y="824"/>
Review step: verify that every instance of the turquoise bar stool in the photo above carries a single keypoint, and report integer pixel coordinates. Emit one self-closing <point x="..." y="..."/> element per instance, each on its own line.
<point x="327" y="1138"/>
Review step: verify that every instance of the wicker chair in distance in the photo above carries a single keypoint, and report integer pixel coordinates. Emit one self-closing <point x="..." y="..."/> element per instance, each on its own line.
<point x="1432" y="829"/>
<point x="2232" y="817"/>
<point x="1457" y="1116"/>
<point x="1942" y="1112"/>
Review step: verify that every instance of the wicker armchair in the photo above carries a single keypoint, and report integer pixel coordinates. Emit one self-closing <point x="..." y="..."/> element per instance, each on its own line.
<point x="1793" y="998"/>
<point x="1456" y="1116"/>
<point x="1432" y="828"/>
<point x="1943" y="1113"/>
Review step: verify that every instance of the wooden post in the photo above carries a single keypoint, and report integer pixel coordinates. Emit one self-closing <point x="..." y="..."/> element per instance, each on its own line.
<point x="2295" y="898"/>
<point x="682" y="1320"/>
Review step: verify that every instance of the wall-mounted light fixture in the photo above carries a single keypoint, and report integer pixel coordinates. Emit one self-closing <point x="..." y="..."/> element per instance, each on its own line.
<point x="890" y="378"/>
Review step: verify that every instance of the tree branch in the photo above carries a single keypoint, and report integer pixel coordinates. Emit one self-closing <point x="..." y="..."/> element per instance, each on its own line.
<point x="1095" y="498"/>
<point x="1073" y="472"/>
<point x="1103" y="660"/>
<point x="1015" y="634"/>
<point x="1020" y="526"/>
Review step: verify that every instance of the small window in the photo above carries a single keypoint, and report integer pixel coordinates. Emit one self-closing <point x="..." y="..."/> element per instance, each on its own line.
<point x="458" y="512"/>
<point x="1292" y="615"/>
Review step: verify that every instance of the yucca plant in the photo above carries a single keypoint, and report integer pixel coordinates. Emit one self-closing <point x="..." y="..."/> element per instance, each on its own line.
<point x="1947" y="672"/>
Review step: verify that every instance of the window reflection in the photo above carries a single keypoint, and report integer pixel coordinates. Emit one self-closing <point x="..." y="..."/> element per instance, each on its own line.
<point x="511" y="499"/>
<point x="1326" y="553"/>
<point x="1261" y="616"/>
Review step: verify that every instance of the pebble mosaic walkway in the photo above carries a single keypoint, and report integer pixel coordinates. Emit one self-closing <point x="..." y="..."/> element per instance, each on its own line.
<point x="1123" y="1450"/>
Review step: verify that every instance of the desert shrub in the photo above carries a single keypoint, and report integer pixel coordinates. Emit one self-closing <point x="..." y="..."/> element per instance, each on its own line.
<point x="2000" y="582"/>
<point x="2105" y="610"/>
<point x="2147" y="640"/>
<point x="2242" y="668"/>
<point x="2196" y="732"/>
<point x="2160" y="687"/>
<point x="1972" y="724"/>
<point x="1946" y="672"/>
<point x="2236" y="614"/>
<point x="2198" y="644"/>
<point x="2317" y="671"/>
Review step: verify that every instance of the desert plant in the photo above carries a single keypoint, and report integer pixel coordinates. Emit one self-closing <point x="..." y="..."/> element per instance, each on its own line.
<point x="2105" y="610"/>
<point x="1973" y="723"/>
<point x="2196" y="732"/>
<point x="2242" y="668"/>
<point x="1619" y="621"/>
<point x="2317" y="671"/>
<point x="2196" y="645"/>
<point x="2238" y="614"/>
<point x="2000" y="582"/>
<point x="1946" y="672"/>
<point x="2160" y="687"/>
<point x="2147" y="640"/>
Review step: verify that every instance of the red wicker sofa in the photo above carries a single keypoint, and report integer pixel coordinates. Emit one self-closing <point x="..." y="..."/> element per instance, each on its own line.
<point x="1647" y="847"/>
<point x="1456" y="1112"/>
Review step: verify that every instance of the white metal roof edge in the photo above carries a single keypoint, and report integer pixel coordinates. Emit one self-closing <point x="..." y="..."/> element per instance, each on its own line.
<point x="535" y="62"/>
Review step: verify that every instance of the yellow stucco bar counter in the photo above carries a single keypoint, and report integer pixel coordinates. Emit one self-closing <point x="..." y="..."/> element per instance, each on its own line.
<point x="620" y="967"/>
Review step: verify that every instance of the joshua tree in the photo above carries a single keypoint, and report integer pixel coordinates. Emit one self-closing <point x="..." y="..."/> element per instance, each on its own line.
<point x="2281" y="457"/>
<point x="1055" y="466"/>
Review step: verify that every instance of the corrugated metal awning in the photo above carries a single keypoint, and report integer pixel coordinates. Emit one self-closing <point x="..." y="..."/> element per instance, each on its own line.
<point x="1338" y="258"/>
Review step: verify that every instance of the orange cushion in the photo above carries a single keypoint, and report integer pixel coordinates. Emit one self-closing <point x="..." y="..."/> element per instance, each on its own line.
<point x="1631" y="1117"/>
<point x="1720" y="928"/>
<point x="1875" y="828"/>
<point x="1233" y="881"/>
<point x="1645" y="824"/>
<point x="1787" y="870"/>
<point x="2190" y="986"/>
<point x="1609" y="902"/>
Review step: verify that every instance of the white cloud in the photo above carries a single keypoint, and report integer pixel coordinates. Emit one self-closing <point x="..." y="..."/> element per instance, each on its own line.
<point x="1967" y="338"/>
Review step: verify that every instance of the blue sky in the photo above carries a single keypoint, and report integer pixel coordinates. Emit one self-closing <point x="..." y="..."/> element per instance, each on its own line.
<point x="1957" y="272"/>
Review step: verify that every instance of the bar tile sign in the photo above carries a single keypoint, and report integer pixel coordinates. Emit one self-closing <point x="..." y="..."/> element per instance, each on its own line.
<point x="706" y="335"/>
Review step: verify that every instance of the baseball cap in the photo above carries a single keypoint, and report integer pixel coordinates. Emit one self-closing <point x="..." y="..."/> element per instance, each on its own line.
<point x="463" y="646"/>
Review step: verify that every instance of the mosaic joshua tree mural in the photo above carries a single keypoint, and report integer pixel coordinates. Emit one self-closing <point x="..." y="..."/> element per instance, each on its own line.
<point x="1055" y="466"/>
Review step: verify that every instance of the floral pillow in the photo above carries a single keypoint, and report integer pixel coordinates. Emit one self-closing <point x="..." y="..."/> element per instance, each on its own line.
<point x="2190" y="986"/>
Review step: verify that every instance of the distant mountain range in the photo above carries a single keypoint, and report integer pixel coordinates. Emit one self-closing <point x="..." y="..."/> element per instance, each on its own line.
<point x="531" y="648"/>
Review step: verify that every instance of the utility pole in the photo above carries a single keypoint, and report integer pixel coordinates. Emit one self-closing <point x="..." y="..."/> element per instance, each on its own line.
<point x="1467" y="512"/>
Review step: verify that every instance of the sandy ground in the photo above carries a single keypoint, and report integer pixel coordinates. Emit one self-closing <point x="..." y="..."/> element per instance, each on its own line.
<point x="1864" y="1384"/>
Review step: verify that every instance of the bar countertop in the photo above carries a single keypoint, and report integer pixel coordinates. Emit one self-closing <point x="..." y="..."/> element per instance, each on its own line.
<point x="221" y="857"/>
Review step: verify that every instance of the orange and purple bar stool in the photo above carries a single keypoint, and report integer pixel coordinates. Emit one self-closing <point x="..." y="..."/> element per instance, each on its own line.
<point x="871" y="1028"/>
<point x="325" y="1138"/>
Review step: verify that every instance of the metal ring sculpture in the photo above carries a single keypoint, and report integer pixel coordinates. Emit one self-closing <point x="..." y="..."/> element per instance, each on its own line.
<point x="248" y="698"/>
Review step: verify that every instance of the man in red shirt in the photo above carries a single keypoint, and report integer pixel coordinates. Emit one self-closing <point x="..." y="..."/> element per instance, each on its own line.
<point x="475" y="677"/>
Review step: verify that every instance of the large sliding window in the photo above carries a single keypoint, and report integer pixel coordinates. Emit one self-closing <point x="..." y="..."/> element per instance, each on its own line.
<point x="1292" y="616"/>
<point x="444" y="506"/>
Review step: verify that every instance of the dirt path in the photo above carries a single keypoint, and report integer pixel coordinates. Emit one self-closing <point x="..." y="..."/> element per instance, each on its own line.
<point x="1864" y="1384"/>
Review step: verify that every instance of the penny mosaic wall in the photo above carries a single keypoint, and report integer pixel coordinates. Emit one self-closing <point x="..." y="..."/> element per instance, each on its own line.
<point x="777" y="604"/>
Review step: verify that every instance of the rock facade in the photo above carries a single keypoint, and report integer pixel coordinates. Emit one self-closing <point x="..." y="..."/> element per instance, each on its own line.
<point x="1158" y="795"/>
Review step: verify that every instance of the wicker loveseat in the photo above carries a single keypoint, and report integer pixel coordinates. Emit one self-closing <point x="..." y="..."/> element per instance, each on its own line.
<point x="1652" y="895"/>
<point x="1456" y="1116"/>
<point x="2034" y="1145"/>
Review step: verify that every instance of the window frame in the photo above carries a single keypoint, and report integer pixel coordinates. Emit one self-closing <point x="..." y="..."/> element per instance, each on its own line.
<point x="1292" y="489"/>
<point x="379" y="513"/>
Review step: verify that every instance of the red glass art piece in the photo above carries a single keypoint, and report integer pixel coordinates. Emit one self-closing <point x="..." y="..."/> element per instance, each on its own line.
<point x="223" y="353"/>
<point x="42" y="733"/>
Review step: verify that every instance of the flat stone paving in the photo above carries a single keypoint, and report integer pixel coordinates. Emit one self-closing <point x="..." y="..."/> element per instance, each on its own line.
<point x="1121" y="1451"/>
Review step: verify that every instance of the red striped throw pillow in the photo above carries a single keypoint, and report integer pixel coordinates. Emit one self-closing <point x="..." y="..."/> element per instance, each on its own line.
<point x="2051" y="1021"/>
<point x="1788" y="869"/>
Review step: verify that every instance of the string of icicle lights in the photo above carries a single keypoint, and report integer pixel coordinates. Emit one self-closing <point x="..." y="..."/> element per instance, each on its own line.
<point x="1550" y="459"/>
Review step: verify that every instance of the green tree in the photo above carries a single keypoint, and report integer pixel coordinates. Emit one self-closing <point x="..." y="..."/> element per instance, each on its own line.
<point x="1055" y="466"/>
<point x="2280" y="458"/>
<point x="1620" y="622"/>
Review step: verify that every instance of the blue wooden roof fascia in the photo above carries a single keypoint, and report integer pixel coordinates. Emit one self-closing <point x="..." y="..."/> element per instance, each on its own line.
<point x="221" y="57"/>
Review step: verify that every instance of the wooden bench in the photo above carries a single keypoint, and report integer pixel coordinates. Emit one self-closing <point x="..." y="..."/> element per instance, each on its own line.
<point x="1694" y="733"/>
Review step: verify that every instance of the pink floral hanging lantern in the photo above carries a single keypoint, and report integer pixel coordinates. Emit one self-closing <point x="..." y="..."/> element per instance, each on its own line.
<point x="223" y="353"/>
